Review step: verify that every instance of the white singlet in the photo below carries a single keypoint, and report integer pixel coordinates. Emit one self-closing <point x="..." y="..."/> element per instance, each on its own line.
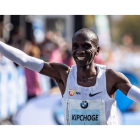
<point x="88" y="105"/>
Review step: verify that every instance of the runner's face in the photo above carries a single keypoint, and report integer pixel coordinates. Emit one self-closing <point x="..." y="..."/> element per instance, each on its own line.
<point x="84" y="48"/>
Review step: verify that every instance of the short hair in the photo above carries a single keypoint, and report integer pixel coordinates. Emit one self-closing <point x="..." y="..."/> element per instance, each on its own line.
<point x="86" y="31"/>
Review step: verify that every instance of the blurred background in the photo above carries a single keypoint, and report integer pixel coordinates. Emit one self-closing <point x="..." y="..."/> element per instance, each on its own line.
<point x="27" y="97"/>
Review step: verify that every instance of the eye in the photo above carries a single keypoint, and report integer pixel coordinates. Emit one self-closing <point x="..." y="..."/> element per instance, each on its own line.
<point x="87" y="46"/>
<point x="75" y="46"/>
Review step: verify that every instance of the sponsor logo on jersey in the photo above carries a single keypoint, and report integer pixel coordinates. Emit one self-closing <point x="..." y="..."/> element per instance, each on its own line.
<point x="91" y="95"/>
<point x="78" y="93"/>
<point x="76" y="117"/>
<point x="84" y="104"/>
<point x="71" y="92"/>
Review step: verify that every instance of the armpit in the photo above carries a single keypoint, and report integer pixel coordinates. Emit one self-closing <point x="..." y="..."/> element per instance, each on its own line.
<point x="58" y="80"/>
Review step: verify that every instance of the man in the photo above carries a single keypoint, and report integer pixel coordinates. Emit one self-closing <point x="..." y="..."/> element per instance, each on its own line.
<point x="88" y="89"/>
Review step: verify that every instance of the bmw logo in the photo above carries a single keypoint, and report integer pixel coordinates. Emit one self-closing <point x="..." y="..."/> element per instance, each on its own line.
<point x="84" y="104"/>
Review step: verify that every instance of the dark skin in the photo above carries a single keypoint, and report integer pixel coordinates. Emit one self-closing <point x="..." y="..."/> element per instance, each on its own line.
<point x="84" y="48"/>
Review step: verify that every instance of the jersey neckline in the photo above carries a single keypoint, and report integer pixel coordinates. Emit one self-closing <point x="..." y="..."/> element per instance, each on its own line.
<point x="97" y="78"/>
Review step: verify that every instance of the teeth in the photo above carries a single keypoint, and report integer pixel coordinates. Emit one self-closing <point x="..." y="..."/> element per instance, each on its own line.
<point x="81" y="58"/>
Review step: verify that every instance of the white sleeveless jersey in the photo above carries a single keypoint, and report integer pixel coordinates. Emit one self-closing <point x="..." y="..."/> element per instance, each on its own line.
<point x="88" y="105"/>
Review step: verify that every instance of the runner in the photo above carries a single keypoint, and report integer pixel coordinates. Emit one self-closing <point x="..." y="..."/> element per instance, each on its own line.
<point x="88" y="89"/>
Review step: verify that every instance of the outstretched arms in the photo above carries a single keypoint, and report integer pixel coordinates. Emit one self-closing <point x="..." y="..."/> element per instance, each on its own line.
<point x="54" y="70"/>
<point x="21" y="58"/>
<point x="122" y="83"/>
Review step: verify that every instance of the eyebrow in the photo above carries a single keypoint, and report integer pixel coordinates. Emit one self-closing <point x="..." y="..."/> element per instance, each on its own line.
<point x="74" y="43"/>
<point x="88" y="42"/>
<point x="93" y="41"/>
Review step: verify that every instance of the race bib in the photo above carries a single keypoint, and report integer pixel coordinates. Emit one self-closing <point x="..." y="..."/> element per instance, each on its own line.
<point x="84" y="117"/>
<point x="85" y="112"/>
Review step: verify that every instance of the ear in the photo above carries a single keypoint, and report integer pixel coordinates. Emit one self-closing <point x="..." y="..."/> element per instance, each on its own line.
<point x="98" y="49"/>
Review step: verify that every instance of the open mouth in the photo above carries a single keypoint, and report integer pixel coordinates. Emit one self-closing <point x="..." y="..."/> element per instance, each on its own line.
<point x="80" y="58"/>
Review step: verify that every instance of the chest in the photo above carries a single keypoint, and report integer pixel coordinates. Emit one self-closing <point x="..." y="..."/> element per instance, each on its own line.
<point x="91" y="88"/>
<point x="86" y="82"/>
<point x="93" y="91"/>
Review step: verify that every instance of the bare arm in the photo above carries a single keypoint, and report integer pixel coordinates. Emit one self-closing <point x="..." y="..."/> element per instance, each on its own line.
<point x="55" y="70"/>
<point x="120" y="81"/>
<point x="117" y="80"/>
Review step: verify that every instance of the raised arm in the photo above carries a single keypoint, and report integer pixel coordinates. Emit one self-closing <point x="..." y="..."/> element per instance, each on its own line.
<point x="122" y="83"/>
<point x="53" y="70"/>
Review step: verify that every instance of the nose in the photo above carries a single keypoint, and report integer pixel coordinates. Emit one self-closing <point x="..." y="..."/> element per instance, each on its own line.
<point x="80" y="50"/>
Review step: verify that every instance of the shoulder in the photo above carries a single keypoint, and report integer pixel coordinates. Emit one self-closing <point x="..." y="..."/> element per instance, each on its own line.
<point x="62" y="69"/>
<point x="60" y="66"/>
<point x="55" y="70"/>
<point x="116" y="76"/>
<point x="57" y="66"/>
<point x="111" y="72"/>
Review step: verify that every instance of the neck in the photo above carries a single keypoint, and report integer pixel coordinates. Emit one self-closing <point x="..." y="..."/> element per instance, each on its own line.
<point x="87" y="71"/>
